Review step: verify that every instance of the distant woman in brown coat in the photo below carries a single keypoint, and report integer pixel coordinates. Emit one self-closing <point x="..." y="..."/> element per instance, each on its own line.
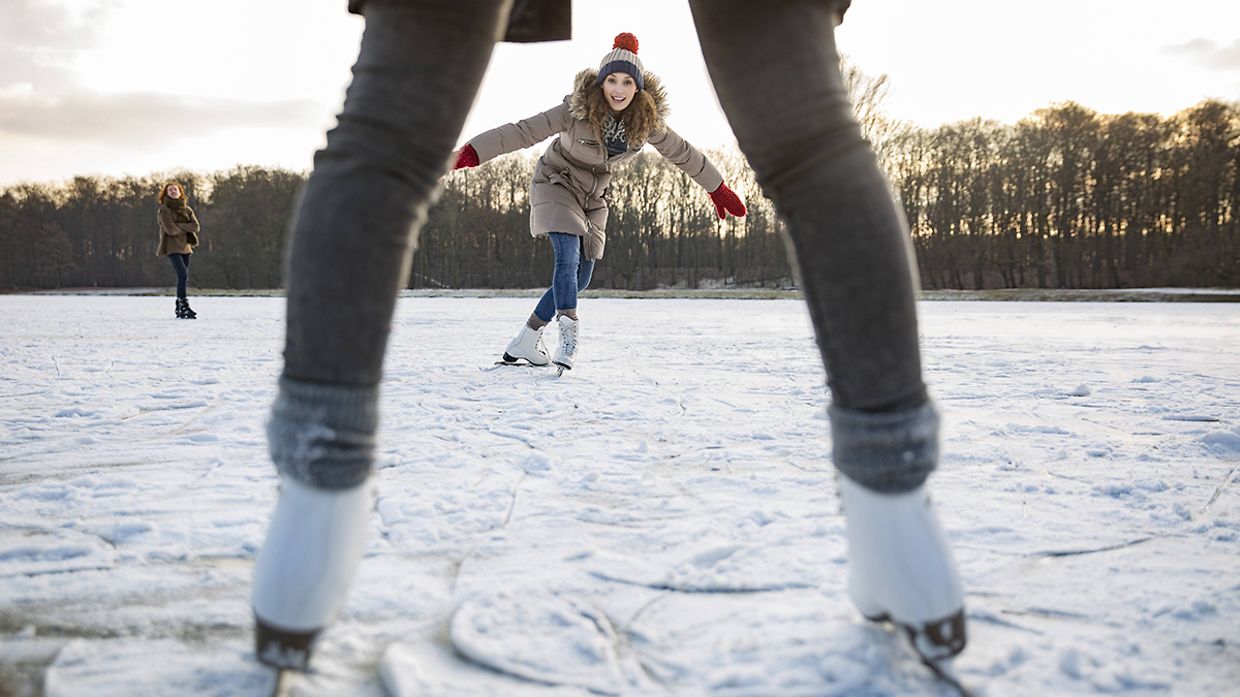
<point x="178" y="235"/>
<point x="611" y="114"/>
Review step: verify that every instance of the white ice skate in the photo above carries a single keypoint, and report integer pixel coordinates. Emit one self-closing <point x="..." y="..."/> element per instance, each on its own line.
<point x="528" y="344"/>
<point x="901" y="568"/>
<point x="567" y="349"/>
<point x="304" y="570"/>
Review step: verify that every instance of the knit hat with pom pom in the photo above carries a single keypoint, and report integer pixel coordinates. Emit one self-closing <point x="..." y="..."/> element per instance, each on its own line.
<point x="622" y="59"/>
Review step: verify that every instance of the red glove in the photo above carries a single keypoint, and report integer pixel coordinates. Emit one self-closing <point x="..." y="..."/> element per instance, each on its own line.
<point x="726" y="199"/>
<point x="467" y="157"/>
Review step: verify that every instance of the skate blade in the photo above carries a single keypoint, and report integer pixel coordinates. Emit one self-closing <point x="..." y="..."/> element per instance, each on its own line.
<point x="933" y="641"/>
<point x="512" y="364"/>
<point x="936" y="643"/>
<point x="940" y="639"/>
<point x="282" y="649"/>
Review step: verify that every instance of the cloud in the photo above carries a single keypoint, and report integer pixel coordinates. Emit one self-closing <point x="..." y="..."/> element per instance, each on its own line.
<point x="44" y="23"/>
<point x="40" y="40"/>
<point x="1209" y="54"/>
<point x="142" y="119"/>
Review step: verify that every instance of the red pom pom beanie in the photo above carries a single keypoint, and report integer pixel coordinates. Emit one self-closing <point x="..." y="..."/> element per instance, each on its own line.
<point x="622" y="59"/>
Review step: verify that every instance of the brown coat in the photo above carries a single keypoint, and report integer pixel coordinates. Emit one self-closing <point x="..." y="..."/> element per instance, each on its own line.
<point x="176" y="237"/>
<point x="569" y="190"/>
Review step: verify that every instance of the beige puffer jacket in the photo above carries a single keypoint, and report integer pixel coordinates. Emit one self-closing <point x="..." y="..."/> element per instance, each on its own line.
<point x="569" y="190"/>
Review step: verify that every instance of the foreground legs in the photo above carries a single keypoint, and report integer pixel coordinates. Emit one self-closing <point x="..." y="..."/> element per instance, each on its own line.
<point x="356" y="226"/>
<point x="848" y="241"/>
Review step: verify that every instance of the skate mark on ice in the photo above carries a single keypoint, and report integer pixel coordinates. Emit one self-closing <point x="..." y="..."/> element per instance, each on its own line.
<point x="1070" y="478"/>
<point x="215" y="466"/>
<point x="702" y="589"/>
<point x="1192" y="418"/>
<point x="176" y="667"/>
<point x="30" y="551"/>
<point x="543" y="638"/>
<point x="597" y="516"/>
<point x="1060" y="553"/>
<point x="212" y="406"/>
<point x="80" y="441"/>
<point x="25" y="394"/>
<point x="992" y="619"/>
<point x="169" y="407"/>
<point x="512" y="503"/>
<point x="1052" y="614"/>
<point x="61" y="472"/>
<point x="1218" y="491"/>
<point x="720" y="569"/>
<point x="813" y="470"/>
<point x="695" y="450"/>
<point x="509" y="435"/>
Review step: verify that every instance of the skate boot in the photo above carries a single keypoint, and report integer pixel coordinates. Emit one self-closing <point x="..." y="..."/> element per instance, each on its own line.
<point x="183" y="311"/>
<point x="901" y="569"/>
<point x="303" y="572"/>
<point x="567" y="350"/>
<point x="528" y="344"/>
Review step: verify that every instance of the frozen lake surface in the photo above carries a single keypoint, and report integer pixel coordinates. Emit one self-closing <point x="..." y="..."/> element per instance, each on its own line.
<point x="662" y="520"/>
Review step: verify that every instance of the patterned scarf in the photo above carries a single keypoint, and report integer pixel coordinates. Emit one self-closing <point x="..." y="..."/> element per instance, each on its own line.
<point x="614" y="137"/>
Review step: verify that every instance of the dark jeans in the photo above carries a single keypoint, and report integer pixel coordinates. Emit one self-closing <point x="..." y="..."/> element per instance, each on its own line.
<point x="418" y="70"/>
<point x="571" y="276"/>
<point x="180" y="264"/>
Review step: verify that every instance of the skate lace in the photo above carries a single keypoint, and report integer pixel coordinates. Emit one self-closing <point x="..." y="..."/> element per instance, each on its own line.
<point x="568" y="340"/>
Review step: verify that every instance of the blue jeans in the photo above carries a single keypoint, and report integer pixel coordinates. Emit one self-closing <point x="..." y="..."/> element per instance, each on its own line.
<point x="180" y="264"/>
<point x="571" y="276"/>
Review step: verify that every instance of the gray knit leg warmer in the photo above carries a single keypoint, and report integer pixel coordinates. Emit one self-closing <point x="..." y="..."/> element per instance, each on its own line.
<point x="324" y="435"/>
<point x="888" y="452"/>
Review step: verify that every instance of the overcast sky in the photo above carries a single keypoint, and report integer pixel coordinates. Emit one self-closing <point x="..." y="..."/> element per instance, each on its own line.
<point x="120" y="87"/>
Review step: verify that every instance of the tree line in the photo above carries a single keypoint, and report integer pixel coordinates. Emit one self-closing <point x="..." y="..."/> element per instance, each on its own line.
<point x="1066" y="198"/>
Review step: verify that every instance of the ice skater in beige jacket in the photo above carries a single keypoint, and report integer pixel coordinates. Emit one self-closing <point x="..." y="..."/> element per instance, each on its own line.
<point x="611" y="114"/>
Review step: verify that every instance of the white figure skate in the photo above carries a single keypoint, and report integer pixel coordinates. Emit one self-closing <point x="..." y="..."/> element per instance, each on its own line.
<point x="304" y="570"/>
<point x="567" y="350"/>
<point x="528" y="344"/>
<point x="901" y="568"/>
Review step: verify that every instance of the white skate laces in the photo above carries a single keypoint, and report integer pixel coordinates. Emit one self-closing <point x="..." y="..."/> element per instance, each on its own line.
<point x="901" y="568"/>
<point x="304" y="570"/>
<point x="567" y="350"/>
<point x="528" y="344"/>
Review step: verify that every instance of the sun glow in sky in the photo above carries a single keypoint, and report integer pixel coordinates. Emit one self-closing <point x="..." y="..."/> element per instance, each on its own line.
<point x="120" y="87"/>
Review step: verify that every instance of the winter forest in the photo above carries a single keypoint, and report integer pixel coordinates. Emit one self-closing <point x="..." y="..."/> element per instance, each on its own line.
<point x="1065" y="198"/>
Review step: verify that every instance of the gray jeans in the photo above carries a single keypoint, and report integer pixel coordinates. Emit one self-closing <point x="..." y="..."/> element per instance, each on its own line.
<point x="415" y="79"/>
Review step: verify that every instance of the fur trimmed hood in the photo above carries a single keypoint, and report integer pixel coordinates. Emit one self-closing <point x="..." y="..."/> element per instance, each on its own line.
<point x="645" y="116"/>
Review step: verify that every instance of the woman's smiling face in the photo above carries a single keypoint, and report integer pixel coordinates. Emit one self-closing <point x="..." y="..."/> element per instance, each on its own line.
<point x="619" y="89"/>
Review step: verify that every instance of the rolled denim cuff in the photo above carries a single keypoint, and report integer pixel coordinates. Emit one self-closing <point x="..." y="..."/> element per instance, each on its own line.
<point x="888" y="452"/>
<point x="323" y="435"/>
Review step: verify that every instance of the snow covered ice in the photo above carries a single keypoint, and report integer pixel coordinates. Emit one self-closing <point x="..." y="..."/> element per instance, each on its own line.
<point x="661" y="520"/>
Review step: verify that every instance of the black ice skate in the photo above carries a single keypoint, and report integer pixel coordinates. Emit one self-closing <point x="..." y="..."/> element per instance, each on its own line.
<point x="184" y="311"/>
